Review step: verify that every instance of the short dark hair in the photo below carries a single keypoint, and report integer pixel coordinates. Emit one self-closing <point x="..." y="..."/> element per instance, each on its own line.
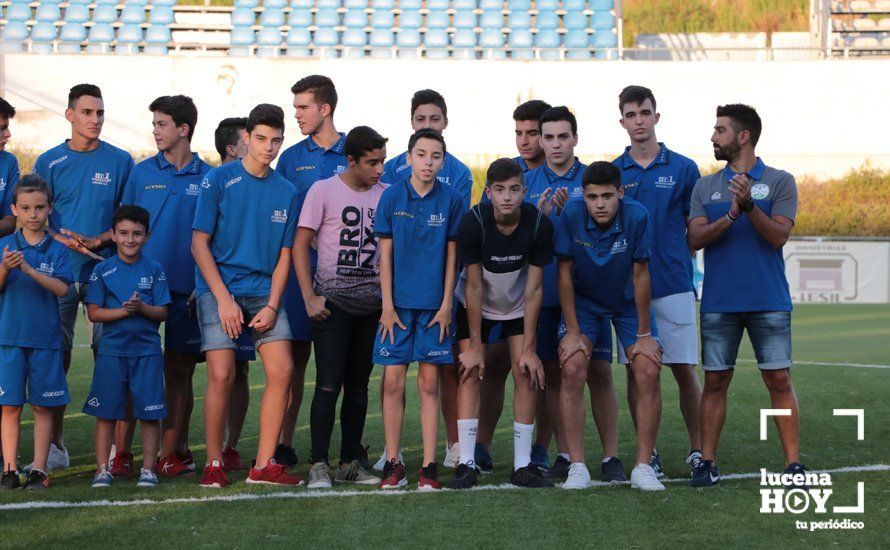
<point x="530" y="110"/>
<point x="635" y="94"/>
<point x="81" y="90"/>
<point x="267" y="115"/>
<point x="556" y="114"/>
<point x="502" y="170"/>
<point x="180" y="108"/>
<point x="31" y="183"/>
<point x="427" y="133"/>
<point x="6" y="110"/>
<point x="228" y="133"/>
<point x="601" y="173"/>
<point x="361" y="140"/>
<point x="427" y="97"/>
<point x="743" y="117"/>
<point x="131" y="213"/>
<point x="321" y="87"/>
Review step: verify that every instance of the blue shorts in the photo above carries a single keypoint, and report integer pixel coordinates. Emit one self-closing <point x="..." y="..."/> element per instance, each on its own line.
<point x="769" y="332"/>
<point x="549" y="326"/>
<point x="417" y="343"/>
<point x="40" y="370"/>
<point x="213" y="337"/>
<point x="594" y="326"/>
<point x="300" y="324"/>
<point x="182" y="333"/>
<point x="115" y="376"/>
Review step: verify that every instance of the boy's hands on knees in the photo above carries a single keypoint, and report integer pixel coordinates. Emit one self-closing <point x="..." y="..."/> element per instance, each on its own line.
<point x="443" y="319"/>
<point x="471" y="359"/>
<point x="388" y="321"/>
<point x="264" y="320"/>
<point x="530" y="364"/>
<point x="646" y="346"/>
<point x="12" y="260"/>
<point x="230" y="316"/>
<point x="570" y="344"/>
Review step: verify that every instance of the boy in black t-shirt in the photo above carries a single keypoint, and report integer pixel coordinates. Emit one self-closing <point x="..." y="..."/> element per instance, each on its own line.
<point x="504" y="245"/>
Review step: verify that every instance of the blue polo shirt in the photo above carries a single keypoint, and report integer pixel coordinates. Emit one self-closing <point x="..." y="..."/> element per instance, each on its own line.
<point x="664" y="188"/>
<point x="170" y="196"/>
<point x="250" y="220"/>
<point x="87" y="188"/>
<point x="307" y="162"/>
<point x="29" y="314"/>
<point x="603" y="271"/>
<point x="521" y="162"/>
<point x="537" y="181"/>
<point x="9" y="176"/>
<point x="112" y="283"/>
<point x="420" y="228"/>
<point x="454" y="174"/>
<point x="743" y="272"/>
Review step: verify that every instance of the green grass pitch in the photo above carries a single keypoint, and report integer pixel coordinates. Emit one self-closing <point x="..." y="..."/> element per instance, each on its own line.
<point x="615" y="516"/>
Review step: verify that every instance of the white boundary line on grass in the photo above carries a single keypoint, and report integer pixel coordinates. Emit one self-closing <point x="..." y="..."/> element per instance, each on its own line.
<point x="351" y="493"/>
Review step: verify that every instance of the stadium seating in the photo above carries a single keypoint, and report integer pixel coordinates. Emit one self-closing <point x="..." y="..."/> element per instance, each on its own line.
<point x="434" y="29"/>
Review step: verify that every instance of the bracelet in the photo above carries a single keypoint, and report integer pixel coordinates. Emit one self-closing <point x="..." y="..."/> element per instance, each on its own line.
<point x="270" y="307"/>
<point x="644" y="335"/>
<point x="731" y="218"/>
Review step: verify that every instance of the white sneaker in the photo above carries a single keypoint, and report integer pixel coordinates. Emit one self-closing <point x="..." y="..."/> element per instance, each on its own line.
<point x="578" y="478"/>
<point x="56" y="460"/>
<point x="452" y="456"/>
<point x="644" y="477"/>
<point x="378" y="466"/>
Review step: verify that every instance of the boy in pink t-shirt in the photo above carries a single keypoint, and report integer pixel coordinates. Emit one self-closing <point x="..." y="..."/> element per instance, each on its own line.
<point x="343" y="301"/>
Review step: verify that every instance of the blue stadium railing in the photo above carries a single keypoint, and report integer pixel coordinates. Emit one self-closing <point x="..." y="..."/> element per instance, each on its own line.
<point x="435" y="29"/>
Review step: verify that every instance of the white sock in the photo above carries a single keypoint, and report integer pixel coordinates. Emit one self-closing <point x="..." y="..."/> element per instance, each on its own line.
<point x="466" y="439"/>
<point x="522" y="444"/>
<point x="565" y="456"/>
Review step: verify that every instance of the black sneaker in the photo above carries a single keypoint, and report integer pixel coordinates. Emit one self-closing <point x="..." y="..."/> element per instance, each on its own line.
<point x="286" y="456"/>
<point x="482" y="458"/>
<point x="36" y="481"/>
<point x="613" y="470"/>
<point x="529" y="476"/>
<point x="559" y="470"/>
<point x="10" y="481"/>
<point x="705" y="474"/>
<point x="797" y="468"/>
<point x="655" y="462"/>
<point x="464" y="477"/>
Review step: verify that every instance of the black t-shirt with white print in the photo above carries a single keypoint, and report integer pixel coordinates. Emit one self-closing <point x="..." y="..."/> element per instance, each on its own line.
<point x="504" y="258"/>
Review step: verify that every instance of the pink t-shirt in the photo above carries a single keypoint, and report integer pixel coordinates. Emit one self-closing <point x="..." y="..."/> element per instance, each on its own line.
<point x="348" y="271"/>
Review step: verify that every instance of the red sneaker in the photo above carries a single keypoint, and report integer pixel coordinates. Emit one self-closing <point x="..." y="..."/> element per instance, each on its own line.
<point x="187" y="459"/>
<point x="122" y="465"/>
<point x="171" y="466"/>
<point x="273" y="474"/>
<point x="214" y="476"/>
<point x="429" y="478"/>
<point x="393" y="475"/>
<point x="232" y="460"/>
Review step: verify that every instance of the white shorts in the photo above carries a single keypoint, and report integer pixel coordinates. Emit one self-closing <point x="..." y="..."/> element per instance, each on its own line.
<point x="677" y="329"/>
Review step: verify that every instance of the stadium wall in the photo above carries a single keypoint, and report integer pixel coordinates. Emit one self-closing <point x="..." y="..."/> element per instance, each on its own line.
<point x="821" y="117"/>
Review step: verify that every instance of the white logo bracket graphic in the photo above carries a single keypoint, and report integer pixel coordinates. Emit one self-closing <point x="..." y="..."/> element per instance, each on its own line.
<point x="860" y="420"/>
<point x="765" y="413"/>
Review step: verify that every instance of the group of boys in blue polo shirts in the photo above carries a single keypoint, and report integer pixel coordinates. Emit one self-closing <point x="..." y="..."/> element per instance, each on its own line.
<point x="150" y="280"/>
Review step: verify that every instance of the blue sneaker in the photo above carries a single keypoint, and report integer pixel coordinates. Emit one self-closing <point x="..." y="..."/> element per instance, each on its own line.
<point x="705" y="474"/>
<point x="483" y="459"/>
<point x="103" y="479"/>
<point x="147" y="478"/>
<point x="540" y="458"/>
<point x="797" y="468"/>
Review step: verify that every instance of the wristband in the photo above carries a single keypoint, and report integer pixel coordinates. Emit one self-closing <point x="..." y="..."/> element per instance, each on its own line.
<point x="747" y="207"/>
<point x="270" y="307"/>
<point x="730" y="217"/>
<point x="644" y="335"/>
